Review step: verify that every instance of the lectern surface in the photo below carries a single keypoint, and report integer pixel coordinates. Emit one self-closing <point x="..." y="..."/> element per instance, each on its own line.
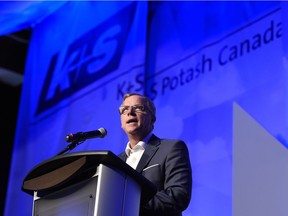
<point x="63" y="170"/>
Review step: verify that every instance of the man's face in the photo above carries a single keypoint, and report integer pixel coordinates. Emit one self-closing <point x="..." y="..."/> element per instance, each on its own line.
<point x="134" y="120"/>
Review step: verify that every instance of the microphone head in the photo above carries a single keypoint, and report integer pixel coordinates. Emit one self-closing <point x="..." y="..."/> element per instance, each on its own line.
<point x="103" y="132"/>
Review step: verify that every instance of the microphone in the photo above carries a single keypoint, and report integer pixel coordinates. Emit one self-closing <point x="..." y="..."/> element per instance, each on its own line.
<point x="82" y="136"/>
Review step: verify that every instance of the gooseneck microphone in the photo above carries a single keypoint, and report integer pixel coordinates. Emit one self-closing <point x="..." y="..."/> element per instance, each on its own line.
<point x="77" y="138"/>
<point x="82" y="136"/>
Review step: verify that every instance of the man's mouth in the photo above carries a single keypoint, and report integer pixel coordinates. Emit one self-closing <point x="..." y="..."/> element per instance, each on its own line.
<point x="132" y="121"/>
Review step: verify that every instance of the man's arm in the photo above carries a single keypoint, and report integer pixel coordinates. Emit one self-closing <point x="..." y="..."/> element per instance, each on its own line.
<point x="174" y="193"/>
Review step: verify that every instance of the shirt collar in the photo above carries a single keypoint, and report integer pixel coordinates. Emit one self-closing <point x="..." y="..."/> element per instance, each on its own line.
<point x="140" y="145"/>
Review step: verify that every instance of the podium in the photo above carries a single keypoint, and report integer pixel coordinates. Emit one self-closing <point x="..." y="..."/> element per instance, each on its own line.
<point x="92" y="183"/>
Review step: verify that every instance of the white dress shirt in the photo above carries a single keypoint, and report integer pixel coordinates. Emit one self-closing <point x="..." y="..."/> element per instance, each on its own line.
<point x="134" y="154"/>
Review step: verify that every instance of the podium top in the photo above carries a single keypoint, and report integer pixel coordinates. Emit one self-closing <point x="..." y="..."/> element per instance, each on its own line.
<point x="63" y="170"/>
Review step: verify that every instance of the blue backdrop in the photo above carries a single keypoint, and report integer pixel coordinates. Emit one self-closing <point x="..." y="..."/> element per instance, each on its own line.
<point x="194" y="59"/>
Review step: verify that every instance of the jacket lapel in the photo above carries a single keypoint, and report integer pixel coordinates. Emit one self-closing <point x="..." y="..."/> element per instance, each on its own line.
<point x="150" y="150"/>
<point x="123" y="156"/>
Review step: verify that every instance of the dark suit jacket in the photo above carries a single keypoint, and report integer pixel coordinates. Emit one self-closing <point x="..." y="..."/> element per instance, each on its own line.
<point x="166" y="163"/>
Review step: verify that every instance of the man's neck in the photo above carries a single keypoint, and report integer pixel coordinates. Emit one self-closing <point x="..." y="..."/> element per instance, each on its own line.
<point x="134" y="139"/>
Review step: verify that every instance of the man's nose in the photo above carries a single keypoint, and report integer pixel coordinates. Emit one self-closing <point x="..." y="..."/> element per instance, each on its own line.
<point x="131" y="111"/>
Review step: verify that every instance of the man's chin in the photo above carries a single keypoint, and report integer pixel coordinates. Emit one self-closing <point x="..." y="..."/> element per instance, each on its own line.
<point x="133" y="131"/>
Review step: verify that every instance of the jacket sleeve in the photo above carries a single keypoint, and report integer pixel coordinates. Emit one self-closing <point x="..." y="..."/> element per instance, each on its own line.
<point x="175" y="187"/>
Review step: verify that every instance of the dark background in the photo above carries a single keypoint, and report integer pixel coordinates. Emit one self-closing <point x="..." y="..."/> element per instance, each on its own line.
<point x="13" y="51"/>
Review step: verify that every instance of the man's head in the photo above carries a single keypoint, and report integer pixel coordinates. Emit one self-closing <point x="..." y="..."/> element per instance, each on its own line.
<point x="138" y="115"/>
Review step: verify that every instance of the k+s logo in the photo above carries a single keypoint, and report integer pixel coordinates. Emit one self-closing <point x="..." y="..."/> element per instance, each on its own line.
<point x="89" y="58"/>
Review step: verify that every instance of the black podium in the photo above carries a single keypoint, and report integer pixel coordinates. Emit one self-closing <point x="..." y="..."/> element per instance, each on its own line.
<point x="88" y="183"/>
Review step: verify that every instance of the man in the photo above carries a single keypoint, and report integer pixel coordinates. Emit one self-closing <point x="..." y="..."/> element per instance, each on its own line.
<point x="165" y="162"/>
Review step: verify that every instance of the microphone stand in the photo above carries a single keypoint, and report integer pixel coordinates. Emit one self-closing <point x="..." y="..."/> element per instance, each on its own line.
<point x="69" y="147"/>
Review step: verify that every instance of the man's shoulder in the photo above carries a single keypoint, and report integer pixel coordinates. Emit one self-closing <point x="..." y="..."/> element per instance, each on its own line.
<point x="172" y="142"/>
<point x="167" y="141"/>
